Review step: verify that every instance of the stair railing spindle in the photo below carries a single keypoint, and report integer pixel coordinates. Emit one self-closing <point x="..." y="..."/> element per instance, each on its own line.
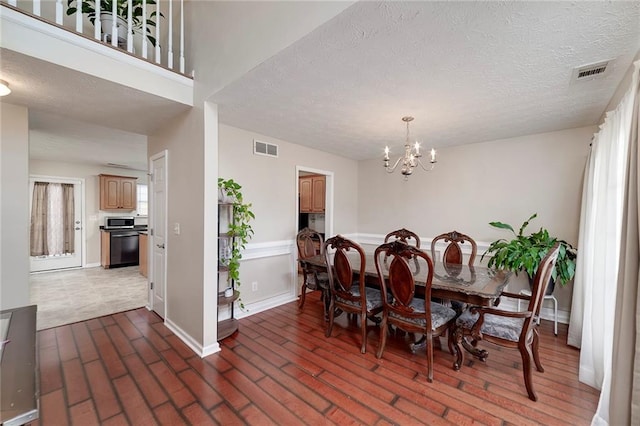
<point x="182" y="36"/>
<point x="59" y="12"/>
<point x="170" y="36"/>
<point x="158" y="55"/>
<point x="144" y="29"/>
<point x="36" y="7"/>
<point x="129" y="26"/>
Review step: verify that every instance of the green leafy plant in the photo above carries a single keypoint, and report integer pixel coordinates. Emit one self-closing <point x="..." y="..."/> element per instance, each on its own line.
<point x="525" y="252"/>
<point x="89" y="8"/>
<point x="240" y="228"/>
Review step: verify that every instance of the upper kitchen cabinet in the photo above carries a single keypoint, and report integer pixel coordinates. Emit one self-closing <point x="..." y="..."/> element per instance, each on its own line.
<point x="312" y="194"/>
<point x="117" y="192"/>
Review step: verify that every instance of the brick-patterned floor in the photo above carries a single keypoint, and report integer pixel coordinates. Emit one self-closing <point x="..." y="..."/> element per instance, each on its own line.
<point x="128" y="368"/>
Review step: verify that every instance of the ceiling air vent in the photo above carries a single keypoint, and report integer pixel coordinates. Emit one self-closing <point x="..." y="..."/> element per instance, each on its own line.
<point x="591" y="71"/>
<point x="264" y="148"/>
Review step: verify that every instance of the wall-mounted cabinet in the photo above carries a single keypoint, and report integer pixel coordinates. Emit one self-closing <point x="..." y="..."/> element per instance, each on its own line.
<point x="312" y="194"/>
<point x="117" y="192"/>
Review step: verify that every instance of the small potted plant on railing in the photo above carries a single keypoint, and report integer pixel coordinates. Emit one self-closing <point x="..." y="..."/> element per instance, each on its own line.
<point x="104" y="10"/>
<point x="239" y="230"/>
<point x="524" y="253"/>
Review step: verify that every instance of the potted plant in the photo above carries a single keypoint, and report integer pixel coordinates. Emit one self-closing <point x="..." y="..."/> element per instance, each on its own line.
<point x="524" y="253"/>
<point x="239" y="229"/>
<point x="105" y="10"/>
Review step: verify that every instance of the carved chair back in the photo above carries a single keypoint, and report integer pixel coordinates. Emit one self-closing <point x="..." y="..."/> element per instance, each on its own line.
<point x="540" y="283"/>
<point x="453" y="253"/>
<point x="405" y="236"/>
<point x="400" y="283"/>
<point x="341" y="272"/>
<point x="310" y="243"/>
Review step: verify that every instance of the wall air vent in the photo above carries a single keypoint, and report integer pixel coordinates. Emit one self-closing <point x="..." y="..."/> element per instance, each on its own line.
<point x="264" y="148"/>
<point x="591" y="71"/>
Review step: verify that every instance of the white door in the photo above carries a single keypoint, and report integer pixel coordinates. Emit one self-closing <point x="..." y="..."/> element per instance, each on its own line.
<point x="54" y="258"/>
<point x="158" y="234"/>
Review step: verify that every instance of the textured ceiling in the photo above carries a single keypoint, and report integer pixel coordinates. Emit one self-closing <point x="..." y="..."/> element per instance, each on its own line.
<point x="467" y="71"/>
<point x="81" y="118"/>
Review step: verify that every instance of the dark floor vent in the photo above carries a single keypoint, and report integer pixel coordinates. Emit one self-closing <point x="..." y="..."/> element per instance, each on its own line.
<point x="264" y="148"/>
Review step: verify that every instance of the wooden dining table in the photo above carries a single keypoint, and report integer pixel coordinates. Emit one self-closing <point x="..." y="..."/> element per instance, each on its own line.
<point x="473" y="285"/>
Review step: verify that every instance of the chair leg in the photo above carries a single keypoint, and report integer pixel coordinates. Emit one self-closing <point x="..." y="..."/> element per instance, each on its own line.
<point x="525" y="352"/>
<point x="555" y="315"/>
<point x="363" y="327"/>
<point x="429" y="342"/>
<point x="455" y="339"/>
<point x="326" y="302"/>
<point x="383" y="336"/>
<point x="534" y="346"/>
<point x="303" y="294"/>
<point x="330" y="324"/>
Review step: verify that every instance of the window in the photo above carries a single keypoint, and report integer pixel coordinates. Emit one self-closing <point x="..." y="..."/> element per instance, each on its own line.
<point x="143" y="200"/>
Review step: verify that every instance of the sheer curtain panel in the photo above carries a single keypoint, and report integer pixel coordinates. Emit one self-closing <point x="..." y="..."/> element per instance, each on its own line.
<point x="601" y="285"/>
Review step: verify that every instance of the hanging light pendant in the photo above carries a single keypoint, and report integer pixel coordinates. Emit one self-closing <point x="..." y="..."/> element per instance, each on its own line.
<point x="411" y="158"/>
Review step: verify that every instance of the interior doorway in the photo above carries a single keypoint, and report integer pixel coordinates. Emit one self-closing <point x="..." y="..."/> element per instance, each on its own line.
<point x="56" y="237"/>
<point x="158" y="233"/>
<point x="314" y="204"/>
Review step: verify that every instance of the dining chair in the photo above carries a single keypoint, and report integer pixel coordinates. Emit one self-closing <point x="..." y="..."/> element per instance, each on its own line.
<point x="515" y="330"/>
<point x="403" y="235"/>
<point x="310" y="243"/>
<point x="453" y="252"/>
<point x="348" y="292"/>
<point x="400" y="306"/>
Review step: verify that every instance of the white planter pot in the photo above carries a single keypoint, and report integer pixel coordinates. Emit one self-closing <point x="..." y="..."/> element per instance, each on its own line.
<point x="106" y="23"/>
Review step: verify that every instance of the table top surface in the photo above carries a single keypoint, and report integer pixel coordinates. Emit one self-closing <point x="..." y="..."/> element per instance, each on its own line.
<point x="467" y="280"/>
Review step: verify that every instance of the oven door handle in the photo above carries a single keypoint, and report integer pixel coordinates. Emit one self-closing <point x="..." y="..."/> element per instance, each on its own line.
<point x="124" y="235"/>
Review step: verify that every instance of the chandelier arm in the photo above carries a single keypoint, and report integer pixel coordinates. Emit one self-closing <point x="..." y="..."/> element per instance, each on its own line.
<point x="392" y="169"/>
<point x="433" y="164"/>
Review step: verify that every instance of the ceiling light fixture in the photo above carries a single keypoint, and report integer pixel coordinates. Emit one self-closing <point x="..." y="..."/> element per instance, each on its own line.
<point x="411" y="158"/>
<point x="4" y="88"/>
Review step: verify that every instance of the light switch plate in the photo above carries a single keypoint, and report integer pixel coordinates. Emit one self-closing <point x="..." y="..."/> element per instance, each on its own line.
<point x="176" y="228"/>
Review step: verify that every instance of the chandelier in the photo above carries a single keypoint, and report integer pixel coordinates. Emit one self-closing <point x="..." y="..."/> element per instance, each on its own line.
<point x="411" y="158"/>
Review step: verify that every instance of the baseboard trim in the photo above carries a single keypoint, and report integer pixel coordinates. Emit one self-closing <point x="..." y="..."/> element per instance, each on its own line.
<point x="190" y="341"/>
<point x="266" y="304"/>
<point x="91" y="265"/>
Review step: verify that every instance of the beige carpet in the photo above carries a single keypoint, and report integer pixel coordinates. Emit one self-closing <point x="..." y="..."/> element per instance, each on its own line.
<point x="69" y="296"/>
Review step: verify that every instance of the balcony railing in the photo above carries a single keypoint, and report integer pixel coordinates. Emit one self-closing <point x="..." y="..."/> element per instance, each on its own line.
<point x="158" y="38"/>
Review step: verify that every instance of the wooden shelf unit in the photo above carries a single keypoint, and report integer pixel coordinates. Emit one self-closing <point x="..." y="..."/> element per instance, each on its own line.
<point x="228" y="326"/>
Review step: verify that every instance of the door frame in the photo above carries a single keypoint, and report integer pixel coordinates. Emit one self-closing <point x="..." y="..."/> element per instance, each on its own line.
<point x="152" y="226"/>
<point x="328" y="197"/>
<point x="83" y="219"/>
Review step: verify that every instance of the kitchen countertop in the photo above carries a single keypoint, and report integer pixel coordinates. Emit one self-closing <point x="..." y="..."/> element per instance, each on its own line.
<point x="140" y="228"/>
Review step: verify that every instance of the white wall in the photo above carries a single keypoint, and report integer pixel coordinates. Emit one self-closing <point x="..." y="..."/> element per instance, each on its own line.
<point x="94" y="217"/>
<point x="505" y="180"/>
<point x="14" y="206"/>
<point x="269" y="184"/>
<point x="240" y="35"/>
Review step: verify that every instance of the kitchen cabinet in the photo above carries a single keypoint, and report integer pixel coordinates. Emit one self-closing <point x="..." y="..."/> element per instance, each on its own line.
<point x="117" y="192"/>
<point x="143" y="253"/>
<point x="312" y="194"/>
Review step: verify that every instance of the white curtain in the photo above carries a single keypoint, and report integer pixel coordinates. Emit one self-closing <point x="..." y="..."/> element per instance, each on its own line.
<point x="591" y="325"/>
<point x="55" y="220"/>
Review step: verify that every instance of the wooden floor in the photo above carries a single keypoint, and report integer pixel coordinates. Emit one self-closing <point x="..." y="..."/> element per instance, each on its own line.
<point x="128" y="368"/>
